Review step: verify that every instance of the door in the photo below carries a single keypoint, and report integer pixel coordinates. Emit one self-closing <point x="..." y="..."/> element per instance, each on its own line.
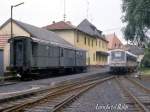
<point x="19" y="53"/>
<point x="1" y="62"/>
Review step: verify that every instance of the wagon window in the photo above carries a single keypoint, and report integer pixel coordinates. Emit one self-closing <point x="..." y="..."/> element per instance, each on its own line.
<point x="51" y="51"/>
<point x="56" y="52"/>
<point x="62" y="52"/>
<point x="34" y="49"/>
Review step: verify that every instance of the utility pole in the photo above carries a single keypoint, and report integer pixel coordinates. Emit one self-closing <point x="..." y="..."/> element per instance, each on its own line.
<point x="87" y="9"/>
<point x="64" y="10"/>
<point x="12" y="17"/>
<point x="11" y="22"/>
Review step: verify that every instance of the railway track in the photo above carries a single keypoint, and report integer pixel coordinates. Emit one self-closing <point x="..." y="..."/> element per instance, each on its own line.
<point x="136" y="95"/>
<point x="20" y="95"/>
<point x="66" y="92"/>
<point x="8" y="83"/>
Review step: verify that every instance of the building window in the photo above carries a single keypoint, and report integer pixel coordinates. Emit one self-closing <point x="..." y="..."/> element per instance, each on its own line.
<point x="89" y="41"/>
<point x="77" y="37"/>
<point x="102" y="44"/>
<point x="99" y="43"/>
<point x="89" y="60"/>
<point x="94" y="57"/>
<point x="85" y="40"/>
<point x="92" y="42"/>
<point x="115" y="45"/>
<point x="119" y="45"/>
<point x="96" y="42"/>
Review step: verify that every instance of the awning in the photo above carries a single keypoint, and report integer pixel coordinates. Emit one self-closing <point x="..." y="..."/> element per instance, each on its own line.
<point x="101" y="53"/>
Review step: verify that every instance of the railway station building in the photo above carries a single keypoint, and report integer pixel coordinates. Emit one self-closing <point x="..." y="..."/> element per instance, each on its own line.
<point x="114" y="42"/>
<point x="85" y="36"/>
<point x="139" y="52"/>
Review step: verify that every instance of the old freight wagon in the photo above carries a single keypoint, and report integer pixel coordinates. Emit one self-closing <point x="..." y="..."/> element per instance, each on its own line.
<point x="21" y="29"/>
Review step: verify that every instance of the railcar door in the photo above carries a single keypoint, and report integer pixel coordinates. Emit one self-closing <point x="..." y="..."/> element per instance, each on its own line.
<point x="19" y="52"/>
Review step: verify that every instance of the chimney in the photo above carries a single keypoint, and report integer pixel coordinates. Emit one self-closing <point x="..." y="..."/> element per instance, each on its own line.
<point x="53" y="22"/>
<point x="68" y="22"/>
<point x="114" y="33"/>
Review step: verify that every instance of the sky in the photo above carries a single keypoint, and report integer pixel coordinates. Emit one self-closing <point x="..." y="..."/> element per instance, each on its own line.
<point x="104" y="14"/>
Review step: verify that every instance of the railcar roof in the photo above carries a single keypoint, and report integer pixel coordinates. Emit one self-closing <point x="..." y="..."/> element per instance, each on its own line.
<point x="116" y="50"/>
<point x="131" y="54"/>
<point x="127" y="52"/>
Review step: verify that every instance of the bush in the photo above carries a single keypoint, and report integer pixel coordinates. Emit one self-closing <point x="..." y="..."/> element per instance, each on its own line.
<point x="146" y="62"/>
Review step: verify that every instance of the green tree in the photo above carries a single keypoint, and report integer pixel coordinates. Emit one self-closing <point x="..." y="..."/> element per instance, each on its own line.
<point x="136" y="15"/>
<point x="146" y="59"/>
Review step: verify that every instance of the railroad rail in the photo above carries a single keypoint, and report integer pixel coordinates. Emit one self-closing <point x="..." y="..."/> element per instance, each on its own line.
<point x="8" y="83"/>
<point x="78" y="86"/>
<point x="139" y="84"/>
<point x="66" y="102"/>
<point x="138" y="95"/>
<point x="9" y="80"/>
<point x="21" y="95"/>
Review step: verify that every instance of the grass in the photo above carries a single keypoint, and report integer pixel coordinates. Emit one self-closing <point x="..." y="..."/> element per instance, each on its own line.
<point x="1" y="79"/>
<point x="145" y="71"/>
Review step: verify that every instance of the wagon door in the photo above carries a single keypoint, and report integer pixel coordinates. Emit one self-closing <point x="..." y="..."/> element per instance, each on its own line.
<point x="19" y="53"/>
<point x="62" y="62"/>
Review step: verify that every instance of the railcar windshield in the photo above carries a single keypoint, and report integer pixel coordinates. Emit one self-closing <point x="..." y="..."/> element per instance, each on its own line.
<point x="118" y="56"/>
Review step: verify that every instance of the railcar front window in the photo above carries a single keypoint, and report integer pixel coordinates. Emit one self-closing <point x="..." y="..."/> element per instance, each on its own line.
<point x="118" y="56"/>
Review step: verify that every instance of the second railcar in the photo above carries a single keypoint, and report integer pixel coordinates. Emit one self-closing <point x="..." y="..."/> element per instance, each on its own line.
<point x="30" y="56"/>
<point x="122" y="61"/>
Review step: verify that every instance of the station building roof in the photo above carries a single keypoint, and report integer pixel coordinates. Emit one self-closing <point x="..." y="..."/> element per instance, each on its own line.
<point x="114" y="41"/>
<point x="88" y="28"/>
<point x="40" y="33"/>
<point x="134" y="49"/>
<point x="85" y="26"/>
<point x="61" y="25"/>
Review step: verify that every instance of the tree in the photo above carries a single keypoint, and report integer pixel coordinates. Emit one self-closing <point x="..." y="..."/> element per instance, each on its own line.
<point x="137" y="17"/>
<point x="146" y="59"/>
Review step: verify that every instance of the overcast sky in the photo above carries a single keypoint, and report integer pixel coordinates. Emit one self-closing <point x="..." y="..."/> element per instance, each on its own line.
<point x="104" y="14"/>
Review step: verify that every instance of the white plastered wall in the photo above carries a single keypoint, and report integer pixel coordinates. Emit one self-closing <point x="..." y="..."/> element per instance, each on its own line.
<point x="67" y="35"/>
<point x="17" y="31"/>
